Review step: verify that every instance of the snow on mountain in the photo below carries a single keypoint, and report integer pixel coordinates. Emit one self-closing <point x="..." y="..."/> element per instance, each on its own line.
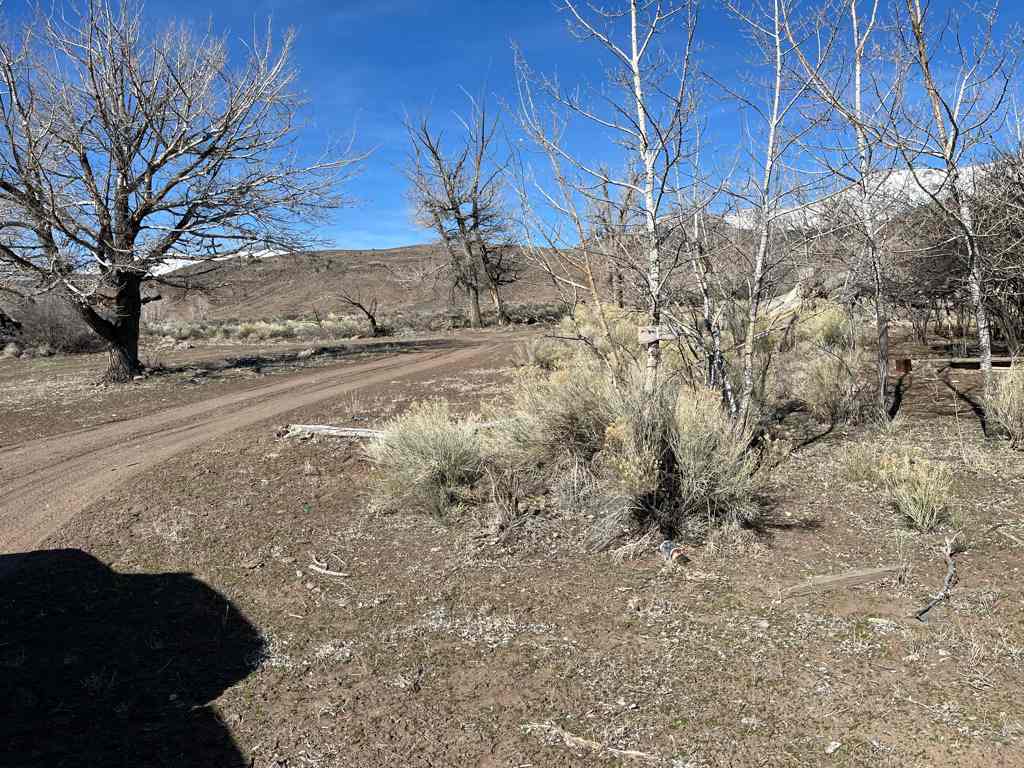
<point x="890" y="193"/>
<point x="176" y="262"/>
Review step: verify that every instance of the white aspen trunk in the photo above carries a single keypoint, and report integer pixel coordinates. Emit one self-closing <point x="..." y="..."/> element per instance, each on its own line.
<point x="976" y="285"/>
<point x="765" y="226"/>
<point x="650" y="215"/>
<point x="867" y="215"/>
<point x="718" y="376"/>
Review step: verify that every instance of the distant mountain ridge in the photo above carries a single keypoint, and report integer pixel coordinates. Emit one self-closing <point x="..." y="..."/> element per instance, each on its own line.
<point x="409" y="279"/>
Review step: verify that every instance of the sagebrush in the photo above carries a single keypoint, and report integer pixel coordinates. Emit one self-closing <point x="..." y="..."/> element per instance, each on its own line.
<point x="427" y="460"/>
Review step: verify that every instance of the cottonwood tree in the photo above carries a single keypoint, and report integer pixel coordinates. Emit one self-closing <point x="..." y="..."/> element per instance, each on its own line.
<point x="646" y="110"/>
<point x="461" y="196"/>
<point x="122" y="148"/>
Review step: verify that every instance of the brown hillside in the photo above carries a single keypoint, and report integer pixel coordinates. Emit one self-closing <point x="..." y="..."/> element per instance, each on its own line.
<point x="405" y="281"/>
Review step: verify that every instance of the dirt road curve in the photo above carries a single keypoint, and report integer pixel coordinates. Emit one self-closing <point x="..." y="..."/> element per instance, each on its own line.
<point x="44" y="483"/>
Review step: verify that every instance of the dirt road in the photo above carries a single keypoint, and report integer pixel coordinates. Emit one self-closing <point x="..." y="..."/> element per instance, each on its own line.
<point x="44" y="483"/>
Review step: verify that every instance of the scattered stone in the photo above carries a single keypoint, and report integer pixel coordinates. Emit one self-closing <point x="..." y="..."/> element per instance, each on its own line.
<point x="833" y="747"/>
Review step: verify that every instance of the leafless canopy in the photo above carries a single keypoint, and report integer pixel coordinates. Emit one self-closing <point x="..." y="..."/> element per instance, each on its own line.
<point x="461" y="196"/>
<point x="121" y="149"/>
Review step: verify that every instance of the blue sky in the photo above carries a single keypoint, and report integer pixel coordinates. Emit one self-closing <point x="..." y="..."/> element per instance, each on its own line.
<point x="364" y="64"/>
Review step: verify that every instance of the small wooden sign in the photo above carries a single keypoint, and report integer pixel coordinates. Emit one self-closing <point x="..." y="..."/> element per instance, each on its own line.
<point x="651" y="333"/>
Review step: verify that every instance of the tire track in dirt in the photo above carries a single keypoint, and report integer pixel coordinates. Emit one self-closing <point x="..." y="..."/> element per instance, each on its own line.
<point x="45" y="483"/>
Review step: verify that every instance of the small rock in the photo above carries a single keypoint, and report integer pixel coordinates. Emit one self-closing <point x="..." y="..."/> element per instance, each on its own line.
<point x="833" y="747"/>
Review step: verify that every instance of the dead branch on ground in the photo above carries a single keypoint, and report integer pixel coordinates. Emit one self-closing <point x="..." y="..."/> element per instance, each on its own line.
<point x="952" y="549"/>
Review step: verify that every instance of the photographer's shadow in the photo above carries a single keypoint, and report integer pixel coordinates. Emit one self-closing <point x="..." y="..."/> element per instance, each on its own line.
<point x="99" y="668"/>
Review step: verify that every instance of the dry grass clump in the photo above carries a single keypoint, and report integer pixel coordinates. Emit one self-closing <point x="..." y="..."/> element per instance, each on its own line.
<point x="859" y="461"/>
<point x="827" y="324"/>
<point x="1004" y="405"/>
<point x="426" y="460"/>
<point x="920" y="490"/>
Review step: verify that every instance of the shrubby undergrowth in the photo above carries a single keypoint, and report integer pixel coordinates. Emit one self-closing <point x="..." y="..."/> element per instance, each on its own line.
<point x="427" y="460"/>
<point x="579" y="428"/>
<point x="588" y="434"/>
<point x="822" y="363"/>
<point x="1004" y="405"/>
<point x="920" y="490"/>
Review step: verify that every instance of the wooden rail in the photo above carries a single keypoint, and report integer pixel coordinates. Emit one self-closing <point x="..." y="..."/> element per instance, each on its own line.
<point x="905" y="365"/>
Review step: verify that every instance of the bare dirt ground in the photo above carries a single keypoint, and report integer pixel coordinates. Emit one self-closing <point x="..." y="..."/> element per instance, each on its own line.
<point x="238" y="604"/>
<point x="47" y="480"/>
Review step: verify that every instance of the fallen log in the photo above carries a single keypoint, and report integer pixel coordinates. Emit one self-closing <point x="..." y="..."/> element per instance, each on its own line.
<point x="839" y="580"/>
<point x="310" y="430"/>
<point x="305" y="431"/>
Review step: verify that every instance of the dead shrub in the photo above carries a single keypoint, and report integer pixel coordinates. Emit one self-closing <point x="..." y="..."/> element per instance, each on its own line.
<point x="426" y="460"/>
<point x="1004" y="405"/>
<point x="50" y="324"/>
<point x="829" y="382"/>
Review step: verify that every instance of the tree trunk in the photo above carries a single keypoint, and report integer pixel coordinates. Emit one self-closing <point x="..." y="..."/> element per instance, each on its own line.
<point x="499" y="304"/>
<point x="124" y="347"/>
<point x="121" y="331"/>
<point x="981" y="319"/>
<point x="374" y="328"/>
<point x="475" y="319"/>
<point x="976" y="282"/>
<point x="882" y="328"/>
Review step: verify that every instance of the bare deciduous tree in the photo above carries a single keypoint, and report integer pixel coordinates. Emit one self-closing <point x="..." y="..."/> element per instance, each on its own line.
<point x="647" y="110"/>
<point x="855" y="82"/>
<point x="964" y="109"/>
<point x="121" y="150"/>
<point x="368" y="304"/>
<point x="461" y="197"/>
<point x="765" y="190"/>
